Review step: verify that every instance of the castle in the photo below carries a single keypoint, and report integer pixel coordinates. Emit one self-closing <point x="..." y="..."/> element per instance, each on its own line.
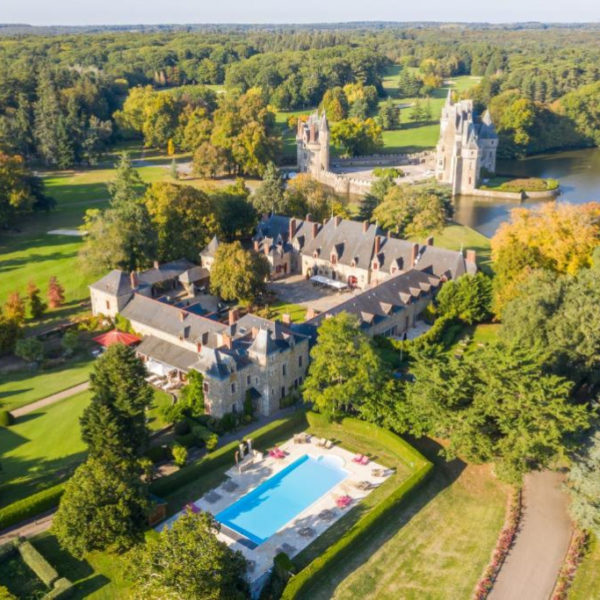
<point x="465" y="147"/>
<point x="312" y="145"/>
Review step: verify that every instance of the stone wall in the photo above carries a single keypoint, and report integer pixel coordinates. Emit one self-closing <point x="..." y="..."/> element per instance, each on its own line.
<point x="384" y="160"/>
<point x="516" y="196"/>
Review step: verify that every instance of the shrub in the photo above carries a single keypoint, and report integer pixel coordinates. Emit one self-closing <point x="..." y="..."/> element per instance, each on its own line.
<point x="229" y="422"/>
<point x="63" y="588"/>
<point x="188" y="439"/>
<point x="158" y="453"/>
<point x="70" y="342"/>
<point x="6" y="418"/>
<point x="7" y="550"/>
<point x="30" y="349"/>
<point x="38" y="564"/>
<point x="180" y="454"/>
<point x="182" y="428"/>
<point x="212" y="442"/>
<point x="31" y="506"/>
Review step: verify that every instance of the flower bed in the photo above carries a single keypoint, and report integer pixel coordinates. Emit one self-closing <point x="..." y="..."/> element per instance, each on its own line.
<point x="575" y="554"/>
<point x="504" y="544"/>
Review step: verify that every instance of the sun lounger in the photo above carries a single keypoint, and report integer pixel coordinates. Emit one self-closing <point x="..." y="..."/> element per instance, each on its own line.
<point x="277" y="453"/>
<point x="328" y="444"/>
<point x="358" y="458"/>
<point x="362" y="485"/>
<point x="364" y="460"/>
<point x="343" y="501"/>
<point x="306" y="532"/>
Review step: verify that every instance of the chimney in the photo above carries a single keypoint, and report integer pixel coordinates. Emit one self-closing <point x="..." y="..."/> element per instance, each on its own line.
<point x="291" y="230"/>
<point x="256" y="246"/>
<point x="377" y="245"/>
<point x="430" y="240"/>
<point x="227" y="341"/>
<point x="315" y="229"/>
<point x="181" y="315"/>
<point x="414" y="255"/>
<point x="471" y="256"/>
<point x="266" y="246"/>
<point x="308" y="217"/>
<point x="286" y="319"/>
<point x="337" y="220"/>
<point x="234" y="315"/>
<point x="133" y="280"/>
<point x="311" y="313"/>
<point x="156" y="264"/>
<point x="254" y="332"/>
<point x="198" y="347"/>
<point x="365" y="226"/>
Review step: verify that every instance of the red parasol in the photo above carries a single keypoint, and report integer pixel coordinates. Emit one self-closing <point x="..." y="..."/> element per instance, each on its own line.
<point x="116" y="337"/>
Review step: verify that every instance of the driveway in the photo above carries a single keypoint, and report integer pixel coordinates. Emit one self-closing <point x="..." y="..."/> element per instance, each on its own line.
<point x="532" y="566"/>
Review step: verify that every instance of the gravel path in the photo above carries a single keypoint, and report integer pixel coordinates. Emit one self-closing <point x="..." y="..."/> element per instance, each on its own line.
<point x="532" y="566"/>
<point x="28" y="408"/>
<point x="28" y="528"/>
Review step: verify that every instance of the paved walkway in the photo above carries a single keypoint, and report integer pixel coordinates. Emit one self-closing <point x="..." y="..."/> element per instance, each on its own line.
<point x="28" y="408"/>
<point x="28" y="528"/>
<point x="532" y="566"/>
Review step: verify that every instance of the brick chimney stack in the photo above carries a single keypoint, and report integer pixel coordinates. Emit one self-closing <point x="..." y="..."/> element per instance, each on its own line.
<point x="315" y="229"/>
<point x="133" y="280"/>
<point x="377" y="245"/>
<point x="308" y="217"/>
<point x="234" y="315"/>
<point x="430" y="240"/>
<point x="471" y="256"/>
<point x="291" y="229"/>
<point x="337" y="220"/>
<point x="414" y="255"/>
<point x="365" y="226"/>
<point x="256" y="246"/>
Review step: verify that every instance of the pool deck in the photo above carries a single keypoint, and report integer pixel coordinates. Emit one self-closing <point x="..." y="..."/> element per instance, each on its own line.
<point x="288" y="538"/>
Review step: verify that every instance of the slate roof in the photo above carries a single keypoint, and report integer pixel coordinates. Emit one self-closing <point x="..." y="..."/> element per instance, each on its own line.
<point x="165" y="352"/>
<point x="166" y="271"/>
<point x="116" y="282"/>
<point x="170" y="319"/>
<point x="274" y="230"/>
<point x="211" y="248"/>
<point x="194" y="274"/>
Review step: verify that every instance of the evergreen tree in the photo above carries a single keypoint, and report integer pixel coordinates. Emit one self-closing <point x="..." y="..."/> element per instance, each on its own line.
<point x="127" y="185"/>
<point x="56" y="293"/>
<point x="113" y="425"/>
<point x="269" y="196"/>
<point x="47" y="114"/>
<point x="389" y="115"/>
<point x="14" y="308"/>
<point x="173" y="170"/>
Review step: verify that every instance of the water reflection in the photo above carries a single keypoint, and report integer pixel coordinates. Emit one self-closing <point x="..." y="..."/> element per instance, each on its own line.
<point x="577" y="170"/>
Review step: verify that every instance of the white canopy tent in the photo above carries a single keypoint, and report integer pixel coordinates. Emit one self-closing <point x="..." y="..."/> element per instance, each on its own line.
<point x="158" y="368"/>
<point x="338" y="285"/>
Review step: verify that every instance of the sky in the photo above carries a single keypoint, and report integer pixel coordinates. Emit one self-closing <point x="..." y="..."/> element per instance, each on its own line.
<point x="94" y="12"/>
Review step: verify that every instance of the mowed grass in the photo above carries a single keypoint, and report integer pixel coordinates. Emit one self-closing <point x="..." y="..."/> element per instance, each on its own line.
<point x="586" y="585"/>
<point x="461" y="237"/>
<point x="297" y="313"/>
<point x="42" y="448"/>
<point x="23" y="387"/>
<point x="436" y="546"/>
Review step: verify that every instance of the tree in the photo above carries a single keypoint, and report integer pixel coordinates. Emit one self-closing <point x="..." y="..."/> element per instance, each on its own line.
<point x="208" y="160"/>
<point x="30" y="349"/>
<point x="173" y="170"/>
<point x="113" y="425"/>
<point x="335" y="104"/>
<point x="9" y="333"/>
<point x="180" y="454"/>
<point x="14" y="308"/>
<point x="188" y="562"/>
<point x="389" y="115"/>
<point x="183" y="217"/>
<point x="414" y="210"/>
<point x="238" y="274"/>
<point x="21" y="192"/>
<point x="495" y="404"/>
<point x="127" y="185"/>
<point x="191" y="398"/>
<point x="468" y="298"/>
<point x="346" y="374"/>
<point x="36" y="306"/>
<point x="355" y="137"/>
<point x="558" y="237"/>
<point x="269" y="195"/>
<point x="70" y="342"/>
<point x="48" y="115"/>
<point x="236" y="215"/>
<point x="583" y="483"/>
<point x="104" y="507"/>
<point x="56" y="293"/>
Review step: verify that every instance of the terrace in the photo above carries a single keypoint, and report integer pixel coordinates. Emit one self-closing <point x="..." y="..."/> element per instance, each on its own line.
<point x="305" y="504"/>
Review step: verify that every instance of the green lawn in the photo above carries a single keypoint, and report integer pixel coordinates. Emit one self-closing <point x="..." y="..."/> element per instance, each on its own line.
<point x="435" y="546"/>
<point x="23" y="387"/>
<point x="586" y="585"/>
<point x="43" y="446"/>
<point x="457" y="237"/>
<point x="296" y="312"/>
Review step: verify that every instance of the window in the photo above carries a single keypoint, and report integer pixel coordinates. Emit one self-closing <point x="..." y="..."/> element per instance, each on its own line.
<point x="205" y="387"/>
<point x="233" y="408"/>
<point x="283" y="370"/>
<point x="108" y="305"/>
<point x="283" y="391"/>
<point x="299" y="361"/>
<point x="300" y="380"/>
<point x="233" y="388"/>
<point x="333" y="259"/>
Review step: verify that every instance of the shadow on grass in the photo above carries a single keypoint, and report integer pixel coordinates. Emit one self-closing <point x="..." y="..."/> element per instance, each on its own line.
<point x="323" y="585"/>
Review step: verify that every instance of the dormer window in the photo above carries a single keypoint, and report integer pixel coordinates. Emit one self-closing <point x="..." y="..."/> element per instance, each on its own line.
<point x="333" y="259"/>
<point x="393" y="270"/>
<point x="375" y="265"/>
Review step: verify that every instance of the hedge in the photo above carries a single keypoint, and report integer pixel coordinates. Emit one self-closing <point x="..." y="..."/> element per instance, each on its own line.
<point x="343" y="548"/>
<point x="31" y="506"/>
<point x="8" y="549"/>
<point x="38" y="564"/>
<point x="222" y="457"/>
<point x="6" y="418"/>
<point x="63" y="588"/>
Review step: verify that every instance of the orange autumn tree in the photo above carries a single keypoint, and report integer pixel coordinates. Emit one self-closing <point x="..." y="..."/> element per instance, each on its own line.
<point x="557" y="237"/>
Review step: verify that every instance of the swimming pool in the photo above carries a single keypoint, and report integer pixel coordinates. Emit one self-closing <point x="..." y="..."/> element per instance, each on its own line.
<point x="267" y="508"/>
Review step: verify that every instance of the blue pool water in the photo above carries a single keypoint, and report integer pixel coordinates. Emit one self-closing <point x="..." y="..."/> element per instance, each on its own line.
<point x="267" y="508"/>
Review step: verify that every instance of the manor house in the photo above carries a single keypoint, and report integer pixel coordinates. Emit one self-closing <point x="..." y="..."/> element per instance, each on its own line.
<point x="466" y="147"/>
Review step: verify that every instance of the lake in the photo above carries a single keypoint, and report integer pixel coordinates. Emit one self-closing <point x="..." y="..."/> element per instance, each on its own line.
<point x="578" y="172"/>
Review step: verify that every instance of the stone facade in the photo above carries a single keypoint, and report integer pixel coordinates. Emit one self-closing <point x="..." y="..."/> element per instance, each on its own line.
<point x="465" y="147"/>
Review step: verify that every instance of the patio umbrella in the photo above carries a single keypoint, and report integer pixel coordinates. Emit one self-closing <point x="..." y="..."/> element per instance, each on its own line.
<point x="116" y="337"/>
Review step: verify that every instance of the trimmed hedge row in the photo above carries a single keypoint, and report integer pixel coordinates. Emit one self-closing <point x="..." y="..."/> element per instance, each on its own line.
<point x="63" y="588"/>
<point x="31" y="506"/>
<point x="38" y="564"/>
<point x="340" y="550"/>
<point x="261" y="439"/>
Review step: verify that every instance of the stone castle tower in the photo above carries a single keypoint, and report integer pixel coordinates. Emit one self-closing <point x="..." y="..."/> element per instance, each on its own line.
<point x="465" y="147"/>
<point x="312" y="145"/>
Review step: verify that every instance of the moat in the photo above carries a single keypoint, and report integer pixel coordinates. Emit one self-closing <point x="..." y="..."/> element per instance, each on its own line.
<point x="577" y="170"/>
